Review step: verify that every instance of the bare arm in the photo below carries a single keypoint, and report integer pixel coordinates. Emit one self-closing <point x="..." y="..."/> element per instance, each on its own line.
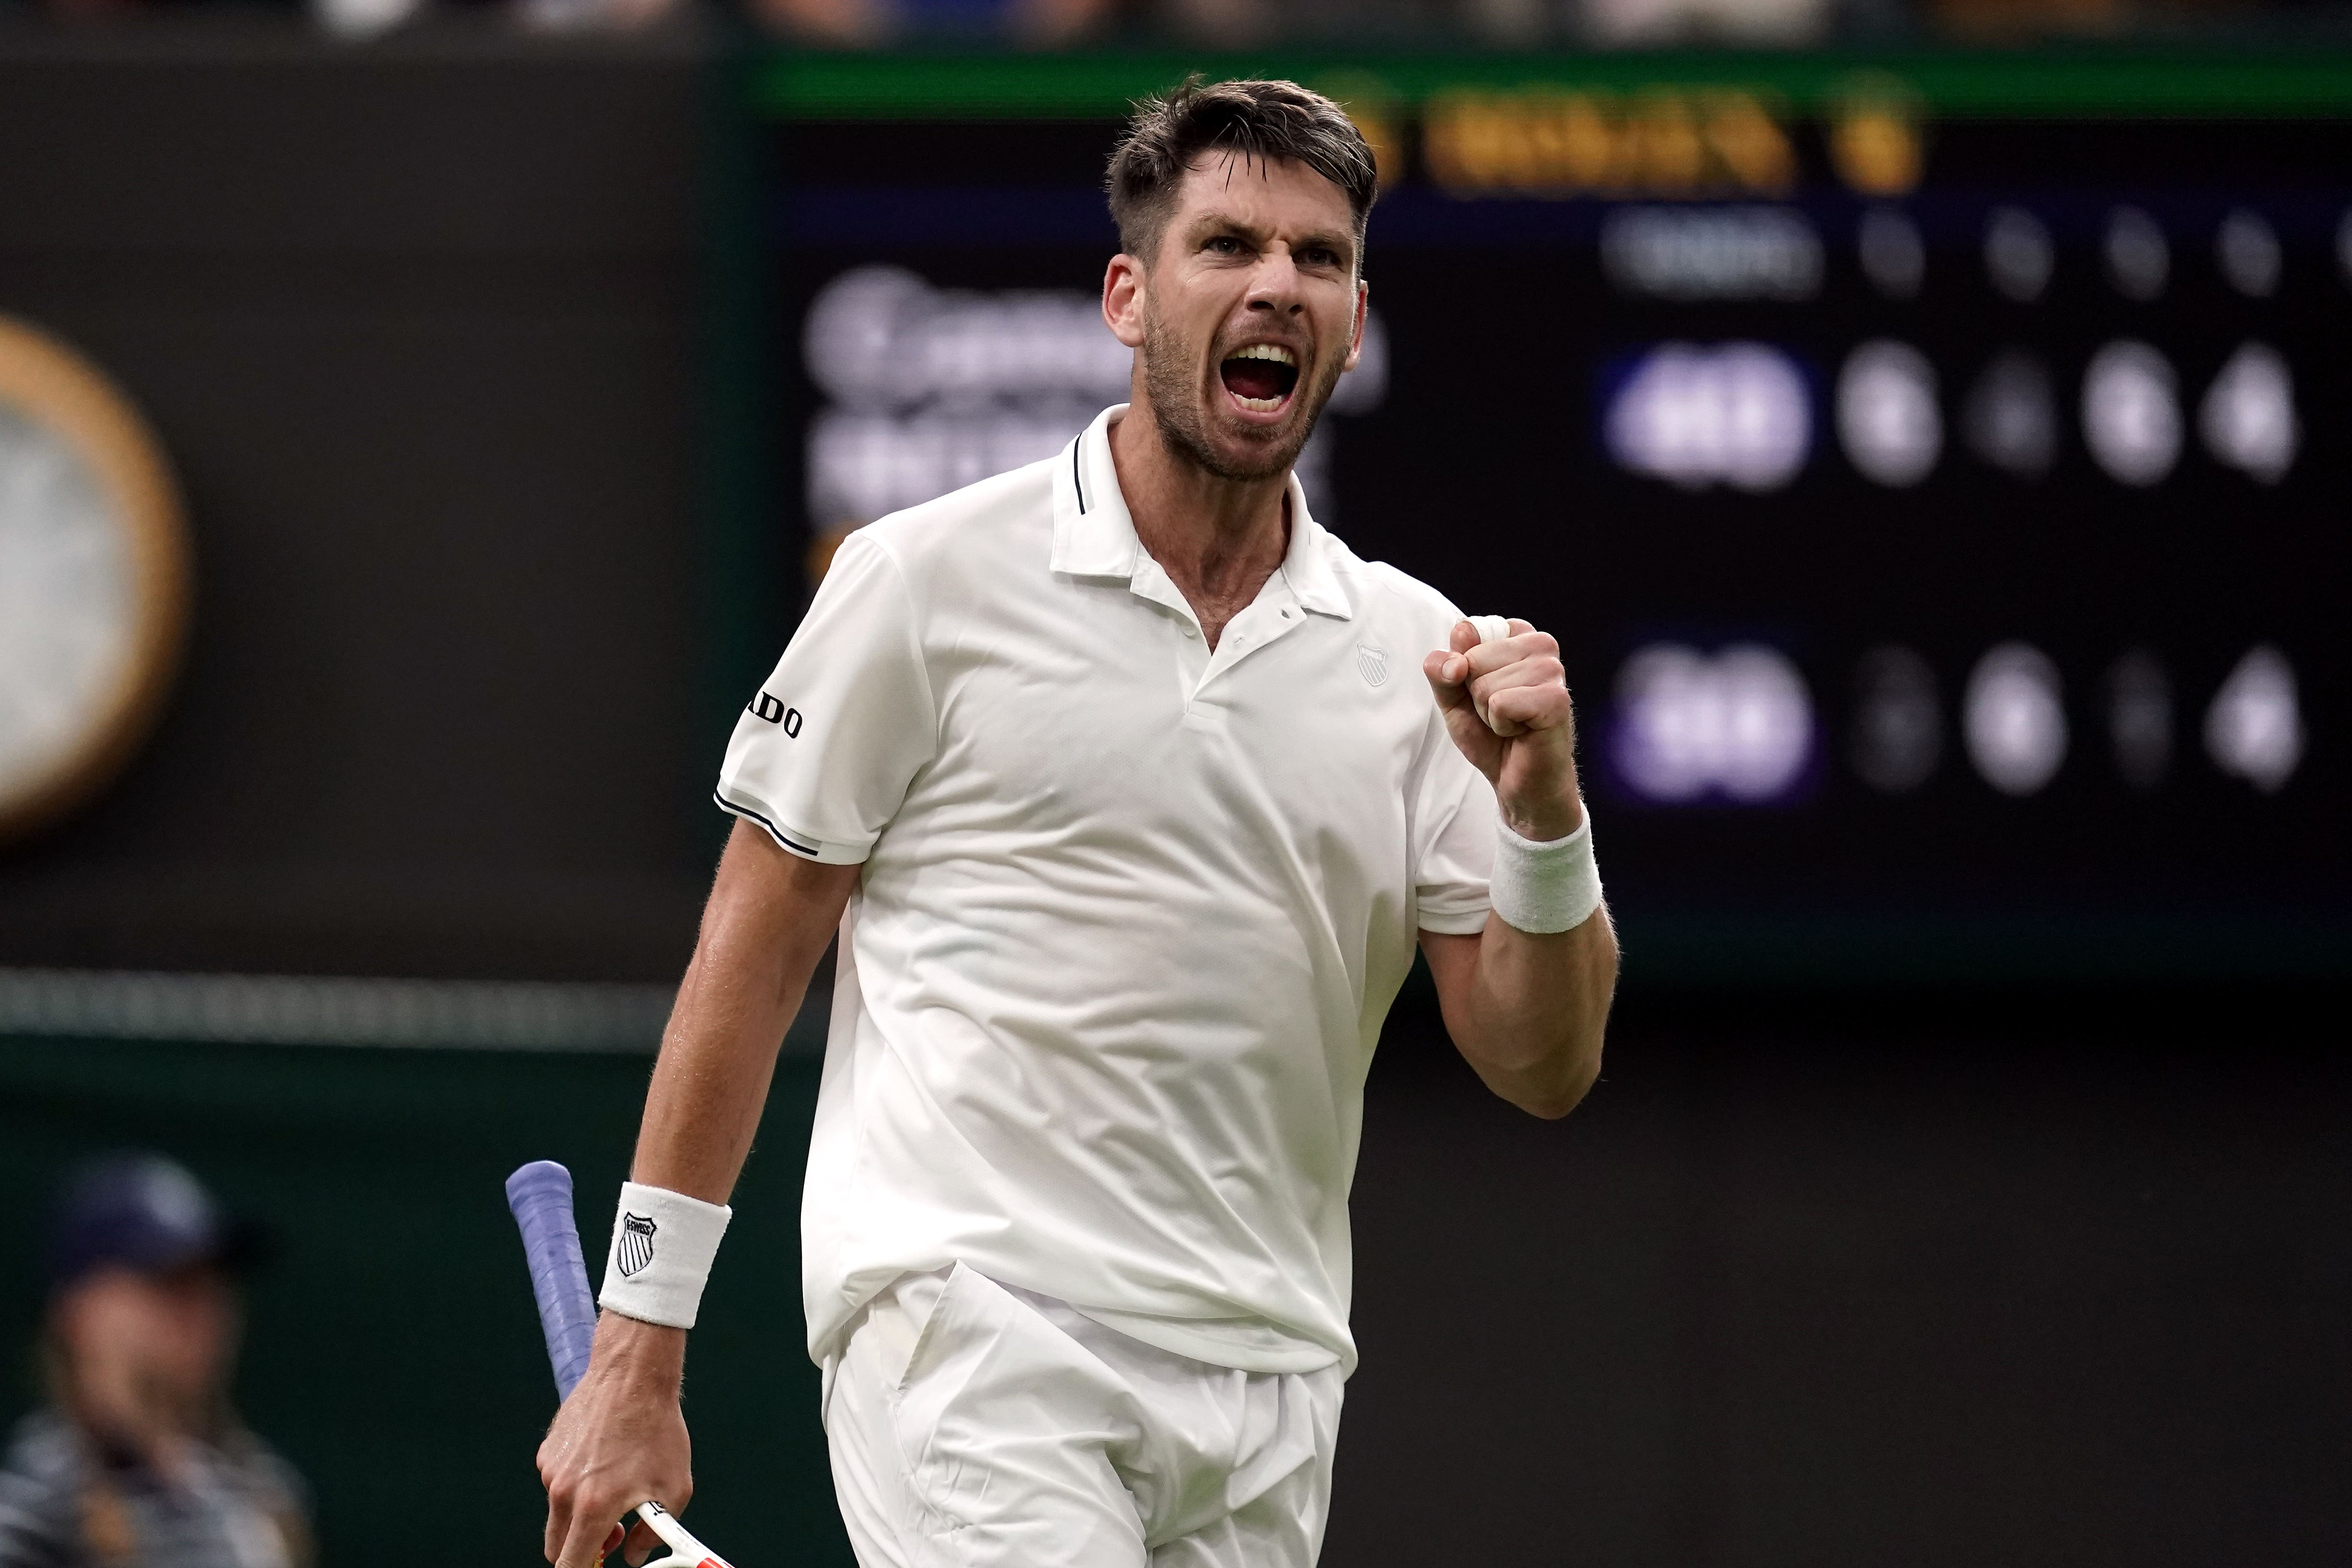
<point x="620" y="1439"/>
<point x="1526" y="1011"/>
<point x="771" y="915"/>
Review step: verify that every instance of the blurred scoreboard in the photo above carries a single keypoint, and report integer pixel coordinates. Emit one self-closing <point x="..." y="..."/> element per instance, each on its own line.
<point x="1938" y="476"/>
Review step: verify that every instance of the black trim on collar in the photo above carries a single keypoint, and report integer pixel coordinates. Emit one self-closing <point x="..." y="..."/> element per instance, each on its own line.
<point x="1076" y="483"/>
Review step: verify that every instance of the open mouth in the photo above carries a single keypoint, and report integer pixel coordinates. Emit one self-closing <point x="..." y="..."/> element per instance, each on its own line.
<point x="1260" y="377"/>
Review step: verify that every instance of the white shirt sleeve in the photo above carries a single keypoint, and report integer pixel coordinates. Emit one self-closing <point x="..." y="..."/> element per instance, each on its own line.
<point x="822" y="755"/>
<point x="1453" y="839"/>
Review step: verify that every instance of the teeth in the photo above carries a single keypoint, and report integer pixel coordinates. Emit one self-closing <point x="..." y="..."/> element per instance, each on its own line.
<point x="1258" y="404"/>
<point x="1273" y="351"/>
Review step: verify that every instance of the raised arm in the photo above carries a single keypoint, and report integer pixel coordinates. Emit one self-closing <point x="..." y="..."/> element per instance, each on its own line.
<point x="621" y="1439"/>
<point x="1526" y="1010"/>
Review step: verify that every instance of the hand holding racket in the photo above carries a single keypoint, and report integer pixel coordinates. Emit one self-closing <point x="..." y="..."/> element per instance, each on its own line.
<point x="622" y="1445"/>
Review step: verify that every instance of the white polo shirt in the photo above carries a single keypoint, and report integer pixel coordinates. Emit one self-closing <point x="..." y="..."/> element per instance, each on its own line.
<point x="1132" y="912"/>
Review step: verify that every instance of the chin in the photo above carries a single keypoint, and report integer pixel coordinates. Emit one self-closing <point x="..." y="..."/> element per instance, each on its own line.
<point x="1269" y="448"/>
<point x="1256" y="452"/>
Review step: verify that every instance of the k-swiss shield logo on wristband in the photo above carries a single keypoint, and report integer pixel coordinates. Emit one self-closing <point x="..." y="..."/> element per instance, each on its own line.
<point x="636" y="1249"/>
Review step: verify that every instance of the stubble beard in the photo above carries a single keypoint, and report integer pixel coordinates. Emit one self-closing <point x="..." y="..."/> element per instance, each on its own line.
<point x="1167" y="375"/>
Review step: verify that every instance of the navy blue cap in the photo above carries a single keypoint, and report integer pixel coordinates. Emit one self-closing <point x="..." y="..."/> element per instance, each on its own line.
<point x="141" y="1211"/>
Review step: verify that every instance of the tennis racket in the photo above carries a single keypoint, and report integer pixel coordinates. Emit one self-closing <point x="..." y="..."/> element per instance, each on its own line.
<point x="540" y="1196"/>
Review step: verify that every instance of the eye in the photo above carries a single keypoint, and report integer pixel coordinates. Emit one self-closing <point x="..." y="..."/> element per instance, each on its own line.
<point x="1223" y="244"/>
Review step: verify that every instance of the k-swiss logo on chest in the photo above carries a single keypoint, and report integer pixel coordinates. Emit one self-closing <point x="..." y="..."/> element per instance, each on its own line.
<point x="1374" y="663"/>
<point x="636" y="1247"/>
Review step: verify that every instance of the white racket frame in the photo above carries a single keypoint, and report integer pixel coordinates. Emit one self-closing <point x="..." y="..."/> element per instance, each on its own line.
<point x="684" y="1551"/>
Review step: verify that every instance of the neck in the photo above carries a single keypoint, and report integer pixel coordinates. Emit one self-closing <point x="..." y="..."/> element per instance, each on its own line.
<point x="1218" y="539"/>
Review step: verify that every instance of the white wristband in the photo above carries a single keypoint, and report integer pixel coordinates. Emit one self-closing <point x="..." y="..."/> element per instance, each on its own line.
<point x="662" y="1243"/>
<point x="1544" y="888"/>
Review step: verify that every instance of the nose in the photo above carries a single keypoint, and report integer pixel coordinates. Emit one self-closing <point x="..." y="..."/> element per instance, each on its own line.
<point x="1274" y="287"/>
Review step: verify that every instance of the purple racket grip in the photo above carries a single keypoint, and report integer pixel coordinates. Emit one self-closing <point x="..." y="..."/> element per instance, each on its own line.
<point x="540" y="1196"/>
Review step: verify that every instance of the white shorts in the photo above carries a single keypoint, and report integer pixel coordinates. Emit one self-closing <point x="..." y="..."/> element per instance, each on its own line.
<point x="973" y="1426"/>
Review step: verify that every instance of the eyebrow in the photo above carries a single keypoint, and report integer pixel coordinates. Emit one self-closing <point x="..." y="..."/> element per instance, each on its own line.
<point x="1213" y="222"/>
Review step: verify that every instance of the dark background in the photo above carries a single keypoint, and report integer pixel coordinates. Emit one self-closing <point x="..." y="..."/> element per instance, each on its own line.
<point x="458" y="345"/>
<point x="423" y="330"/>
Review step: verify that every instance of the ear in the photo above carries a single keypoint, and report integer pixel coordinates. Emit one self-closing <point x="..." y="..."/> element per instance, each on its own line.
<point x="1123" y="299"/>
<point x="1356" y="329"/>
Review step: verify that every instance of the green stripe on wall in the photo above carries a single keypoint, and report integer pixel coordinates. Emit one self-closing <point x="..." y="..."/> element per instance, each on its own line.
<point x="2210" y="83"/>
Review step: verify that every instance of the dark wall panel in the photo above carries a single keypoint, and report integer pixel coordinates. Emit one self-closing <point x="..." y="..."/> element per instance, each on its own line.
<point x="421" y="330"/>
<point x="2025" y="1280"/>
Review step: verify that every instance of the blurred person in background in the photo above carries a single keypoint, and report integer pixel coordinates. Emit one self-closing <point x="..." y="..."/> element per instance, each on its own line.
<point x="136" y="1460"/>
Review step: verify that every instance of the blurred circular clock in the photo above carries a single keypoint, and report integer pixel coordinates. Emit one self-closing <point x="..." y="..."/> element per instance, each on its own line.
<point x="93" y="578"/>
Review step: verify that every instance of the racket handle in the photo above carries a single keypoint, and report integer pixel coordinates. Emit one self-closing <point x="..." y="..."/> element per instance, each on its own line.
<point x="540" y="1196"/>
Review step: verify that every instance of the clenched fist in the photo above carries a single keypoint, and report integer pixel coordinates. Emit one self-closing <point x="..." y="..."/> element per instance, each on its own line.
<point x="1506" y="706"/>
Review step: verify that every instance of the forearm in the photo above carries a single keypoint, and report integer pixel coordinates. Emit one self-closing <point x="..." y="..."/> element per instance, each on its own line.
<point x="765" y="927"/>
<point x="1528" y="1012"/>
<point x="711" y="1081"/>
<point x="770" y="917"/>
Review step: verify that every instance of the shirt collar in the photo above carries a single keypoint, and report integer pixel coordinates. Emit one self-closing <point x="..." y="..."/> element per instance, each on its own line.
<point x="1094" y="534"/>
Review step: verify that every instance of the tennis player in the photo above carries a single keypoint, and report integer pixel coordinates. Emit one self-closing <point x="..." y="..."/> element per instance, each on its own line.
<point x="1115" y="777"/>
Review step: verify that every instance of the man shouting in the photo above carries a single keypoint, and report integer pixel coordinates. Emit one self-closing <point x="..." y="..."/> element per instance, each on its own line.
<point x="1113" y="777"/>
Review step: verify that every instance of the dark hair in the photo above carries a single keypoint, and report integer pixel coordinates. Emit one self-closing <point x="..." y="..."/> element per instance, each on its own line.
<point x="1254" y="120"/>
